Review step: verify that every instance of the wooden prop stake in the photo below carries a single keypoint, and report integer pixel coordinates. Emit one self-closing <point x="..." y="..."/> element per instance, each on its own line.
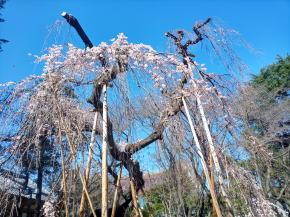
<point x="212" y="182"/>
<point x="104" y="156"/>
<point x="88" y="168"/>
<point x="134" y="197"/>
<point x="209" y="138"/>
<point x="203" y="163"/>
<point x="117" y="193"/>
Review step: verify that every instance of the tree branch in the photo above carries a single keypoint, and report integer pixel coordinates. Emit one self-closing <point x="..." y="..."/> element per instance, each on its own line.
<point x="74" y="23"/>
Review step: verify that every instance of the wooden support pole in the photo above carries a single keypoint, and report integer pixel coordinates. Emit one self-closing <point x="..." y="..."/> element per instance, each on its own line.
<point x="73" y="154"/>
<point x="134" y="197"/>
<point x="104" y="156"/>
<point x="117" y="193"/>
<point x="203" y="162"/>
<point x="212" y="182"/>
<point x="87" y="172"/>
<point x="209" y="138"/>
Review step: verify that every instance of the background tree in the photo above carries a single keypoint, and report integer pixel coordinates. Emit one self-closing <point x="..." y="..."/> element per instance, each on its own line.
<point x="264" y="108"/>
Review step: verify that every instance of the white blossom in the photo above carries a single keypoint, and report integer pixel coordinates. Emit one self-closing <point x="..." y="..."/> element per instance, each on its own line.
<point x="49" y="209"/>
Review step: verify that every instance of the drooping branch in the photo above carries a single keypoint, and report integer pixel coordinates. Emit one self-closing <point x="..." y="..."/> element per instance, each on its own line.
<point x="174" y="108"/>
<point x="11" y="175"/>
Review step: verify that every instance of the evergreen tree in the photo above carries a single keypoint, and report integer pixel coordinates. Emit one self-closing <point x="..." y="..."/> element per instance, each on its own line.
<point x="265" y="104"/>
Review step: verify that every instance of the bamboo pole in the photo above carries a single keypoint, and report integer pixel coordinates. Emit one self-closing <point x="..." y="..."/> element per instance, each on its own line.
<point x="209" y="139"/>
<point x="117" y="193"/>
<point x="203" y="163"/>
<point x="134" y="197"/>
<point x="72" y="150"/>
<point x="73" y="154"/>
<point x="88" y="168"/>
<point x="104" y="156"/>
<point x="212" y="182"/>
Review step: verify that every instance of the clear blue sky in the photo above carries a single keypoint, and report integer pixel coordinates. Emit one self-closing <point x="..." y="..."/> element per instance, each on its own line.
<point x="265" y="24"/>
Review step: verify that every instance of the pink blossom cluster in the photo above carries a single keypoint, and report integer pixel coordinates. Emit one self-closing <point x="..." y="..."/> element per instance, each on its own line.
<point x="67" y="64"/>
<point x="79" y="65"/>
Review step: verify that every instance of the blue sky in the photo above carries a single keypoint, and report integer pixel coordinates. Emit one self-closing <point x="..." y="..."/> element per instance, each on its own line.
<point x="262" y="23"/>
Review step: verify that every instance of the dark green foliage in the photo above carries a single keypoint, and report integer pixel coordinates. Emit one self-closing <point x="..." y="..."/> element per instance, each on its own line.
<point x="161" y="203"/>
<point x="275" y="76"/>
<point x="155" y="198"/>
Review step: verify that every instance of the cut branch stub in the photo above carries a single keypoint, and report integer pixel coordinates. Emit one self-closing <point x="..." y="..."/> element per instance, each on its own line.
<point x="74" y="23"/>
